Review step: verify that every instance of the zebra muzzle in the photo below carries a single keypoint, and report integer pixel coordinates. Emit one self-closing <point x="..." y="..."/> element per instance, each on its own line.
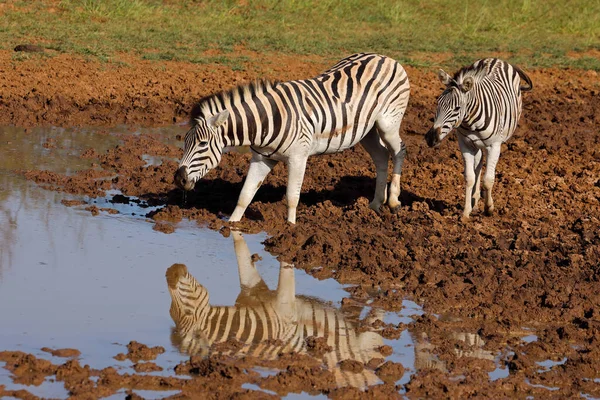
<point x="433" y="137"/>
<point x="182" y="179"/>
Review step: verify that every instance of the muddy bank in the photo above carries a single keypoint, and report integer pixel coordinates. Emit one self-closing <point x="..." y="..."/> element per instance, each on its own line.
<point x="533" y="266"/>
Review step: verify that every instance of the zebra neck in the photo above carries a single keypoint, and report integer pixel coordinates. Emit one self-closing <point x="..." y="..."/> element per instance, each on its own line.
<point x="473" y="107"/>
<point x="242" y="127"/>
<point x="233" y="136"/>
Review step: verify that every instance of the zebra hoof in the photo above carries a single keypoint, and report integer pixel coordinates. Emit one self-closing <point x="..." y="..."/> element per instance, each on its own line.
<point x="375" y="207"/>
<point x="395" y="209"/>
<point x="465" y="219"/>
<point x="489" y="211"/>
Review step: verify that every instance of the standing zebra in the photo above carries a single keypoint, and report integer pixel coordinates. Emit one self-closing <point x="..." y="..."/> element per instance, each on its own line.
<point x="483" y="101"/>
<point x="360" y="99"/>
<point x="266" y="322"/>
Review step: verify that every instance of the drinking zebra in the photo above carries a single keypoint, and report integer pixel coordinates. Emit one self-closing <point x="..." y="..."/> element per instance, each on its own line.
<point x="483" y="103"/>
<point x="266" y="322"/>
<point x="360" y="99"/>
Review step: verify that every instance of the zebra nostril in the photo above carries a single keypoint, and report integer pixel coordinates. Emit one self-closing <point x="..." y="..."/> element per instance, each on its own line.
<point x="181" y="177"/>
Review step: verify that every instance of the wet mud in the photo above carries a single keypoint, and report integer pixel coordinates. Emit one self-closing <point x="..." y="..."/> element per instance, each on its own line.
<point x="532" y="268"/>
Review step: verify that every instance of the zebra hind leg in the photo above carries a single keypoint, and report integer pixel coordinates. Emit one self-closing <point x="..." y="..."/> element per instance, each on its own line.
<point x="493" y="154"/>
<point x="296" y="169"/>
<point x="477" y="189"/>
<point x="389" y="129"/>
<point x="379" y="154"/>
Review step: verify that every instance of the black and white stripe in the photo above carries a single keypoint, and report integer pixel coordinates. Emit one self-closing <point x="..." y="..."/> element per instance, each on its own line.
<point x="361" y="99"/>
<point x="266" y="323"/>
<point x="483" y="102"/>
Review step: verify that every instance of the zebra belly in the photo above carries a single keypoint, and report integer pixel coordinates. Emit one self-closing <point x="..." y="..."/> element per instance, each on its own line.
<point x="338" y="140"/>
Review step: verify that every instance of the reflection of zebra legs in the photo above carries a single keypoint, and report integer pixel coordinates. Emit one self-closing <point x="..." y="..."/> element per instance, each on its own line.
<point x="267" y="323"/>
<point x="425" y="357"/>
<point x="285" y="302"/>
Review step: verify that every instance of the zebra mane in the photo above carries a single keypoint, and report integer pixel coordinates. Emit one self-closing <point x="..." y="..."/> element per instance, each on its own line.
<point x="478" y="70"/>
<point x="212" y="103"/>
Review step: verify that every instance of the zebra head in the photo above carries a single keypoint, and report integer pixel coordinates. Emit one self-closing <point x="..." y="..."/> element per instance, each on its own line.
<point x="189" y="304"/>
<point x="451" y="107"/>
<point x="203" y="149"/>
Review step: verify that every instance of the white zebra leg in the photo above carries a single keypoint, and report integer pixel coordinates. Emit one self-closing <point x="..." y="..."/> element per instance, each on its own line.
<point x="286" y="292"/>
<point x="468" y="153"/>
<point x="493" y="154"/>
<point x="478" y="166"/>
<point x="259" y="168"/>
<point x="296" y="169"/>
<point x="380" y="156"/>
<point x="389" y="131"/>
<point x="249" y="276"/>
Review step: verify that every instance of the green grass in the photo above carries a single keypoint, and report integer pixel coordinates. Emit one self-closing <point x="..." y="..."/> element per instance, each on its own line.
<point x="536" y="34"/>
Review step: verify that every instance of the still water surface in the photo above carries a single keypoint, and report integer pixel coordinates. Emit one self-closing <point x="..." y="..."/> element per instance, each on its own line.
<point x="72" y="280"/>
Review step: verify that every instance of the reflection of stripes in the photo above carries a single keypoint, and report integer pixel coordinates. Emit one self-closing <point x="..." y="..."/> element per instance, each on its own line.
<point x="266" y="327"/>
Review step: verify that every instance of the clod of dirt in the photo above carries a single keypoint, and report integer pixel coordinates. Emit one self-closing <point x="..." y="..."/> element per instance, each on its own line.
<point x="351" y="366"/>
<point x="146" y="367"/>
<point x="386" y="350"/>
<point x="390" y="371"/>
<point x="298" y="379"/>
<point x="163" y="227"/>
<point x="138" y="351"/>
<point x="374" y="363"/>
<point x="317" y="346"/>
<point x="67" y="353"/>
<point x="26" y="368"/>
<point x="94" y="210"/>
<point x="209" y="367"/>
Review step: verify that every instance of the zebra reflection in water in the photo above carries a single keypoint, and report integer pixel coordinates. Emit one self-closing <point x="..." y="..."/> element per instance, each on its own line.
<point x="266" y="322"/>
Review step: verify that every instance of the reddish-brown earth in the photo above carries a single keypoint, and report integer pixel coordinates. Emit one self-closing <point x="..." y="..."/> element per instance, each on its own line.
<point x="533" y="267"/>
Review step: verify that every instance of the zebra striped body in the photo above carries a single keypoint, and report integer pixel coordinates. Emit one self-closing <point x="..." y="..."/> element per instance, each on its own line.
<point x="266" y="323"/>
<point x="361" y="99"/>
<point x="483" y="102"/>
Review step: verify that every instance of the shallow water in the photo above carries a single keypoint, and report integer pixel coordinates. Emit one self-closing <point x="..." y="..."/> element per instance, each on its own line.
<point x="72" y="280"/>
<point x="69" y="279"/>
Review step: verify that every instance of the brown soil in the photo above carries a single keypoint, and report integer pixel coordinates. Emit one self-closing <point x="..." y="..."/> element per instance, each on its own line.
<point x="534" y="265"/>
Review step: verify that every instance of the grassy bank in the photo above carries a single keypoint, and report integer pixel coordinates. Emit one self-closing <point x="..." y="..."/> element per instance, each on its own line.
<point x="532" y="33"/>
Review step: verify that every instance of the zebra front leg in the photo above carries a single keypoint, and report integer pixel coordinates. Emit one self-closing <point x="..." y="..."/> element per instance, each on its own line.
<point x="493" y="154"/>
<point x="296" y="168"/>
<point x="259" y="168"/>
<point x="286" y="293"/>
<point x="380" y="156"/>
<point x="249" y="276"/>
<point x="469" y="154"/>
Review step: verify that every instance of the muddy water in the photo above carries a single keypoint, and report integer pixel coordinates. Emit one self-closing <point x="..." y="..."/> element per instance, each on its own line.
<point x="69" y="279"/>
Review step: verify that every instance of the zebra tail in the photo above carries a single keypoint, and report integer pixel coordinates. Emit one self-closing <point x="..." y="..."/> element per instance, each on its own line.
<point x="524" y="76"/>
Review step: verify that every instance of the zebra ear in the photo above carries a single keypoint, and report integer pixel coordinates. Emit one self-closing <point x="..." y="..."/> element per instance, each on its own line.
<point x="467" y="84"/>
<point x="444" y="77"/>
<point x="217" y="120"/>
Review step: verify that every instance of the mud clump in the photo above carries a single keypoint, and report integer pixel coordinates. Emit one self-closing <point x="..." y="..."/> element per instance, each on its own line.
<point x="146" y="367"/>
<point x="140" y="352"/>
<point x="317" y="346"/>
<point x="66" y="353"/>
<point x="390" y="371"/>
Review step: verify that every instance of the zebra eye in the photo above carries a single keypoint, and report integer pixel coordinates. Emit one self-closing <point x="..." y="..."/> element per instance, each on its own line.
<point x="203" y="144"/>
<point x="456" y="108"/>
